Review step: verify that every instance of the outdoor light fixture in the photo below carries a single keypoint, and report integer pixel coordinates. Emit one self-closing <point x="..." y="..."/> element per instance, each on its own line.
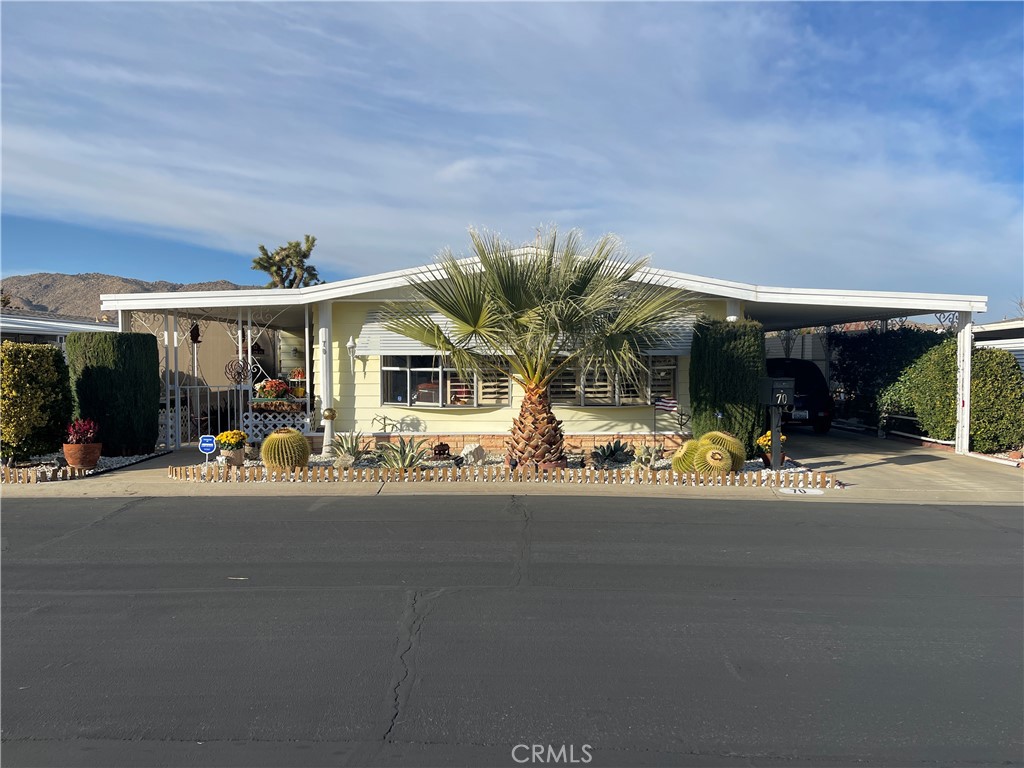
<point x="351" y="347"/>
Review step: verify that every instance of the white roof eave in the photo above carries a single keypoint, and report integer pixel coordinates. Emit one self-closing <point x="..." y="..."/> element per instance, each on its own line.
<point x="709" y="287"/>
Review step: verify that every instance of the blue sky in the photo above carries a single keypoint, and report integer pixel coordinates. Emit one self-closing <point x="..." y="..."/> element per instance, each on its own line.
<point x="858" y="145"/>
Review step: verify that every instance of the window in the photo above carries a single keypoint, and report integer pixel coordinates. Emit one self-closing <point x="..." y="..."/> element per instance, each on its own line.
<point x="425" y="380"/>
<point x="597" y="389"/>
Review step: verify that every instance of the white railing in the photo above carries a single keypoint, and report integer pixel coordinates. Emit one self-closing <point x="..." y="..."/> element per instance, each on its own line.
<point x="198" y="409"/>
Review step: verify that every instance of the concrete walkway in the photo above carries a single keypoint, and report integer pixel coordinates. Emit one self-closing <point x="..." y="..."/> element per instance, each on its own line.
<point x="872" y="470"/>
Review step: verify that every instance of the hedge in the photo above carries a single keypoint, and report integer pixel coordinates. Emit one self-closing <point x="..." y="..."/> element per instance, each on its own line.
<point x="35" y="400"/>
<point x="927" y="390"/>
<point x="115" y="380"/>
<point x="726" y="365"/>
<point x="866" y="364"/>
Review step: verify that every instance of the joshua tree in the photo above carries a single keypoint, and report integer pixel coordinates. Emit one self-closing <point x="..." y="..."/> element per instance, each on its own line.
<point x="287" y="265"/>
<point x="531" y="312"/>
<point x="5" y="300"/>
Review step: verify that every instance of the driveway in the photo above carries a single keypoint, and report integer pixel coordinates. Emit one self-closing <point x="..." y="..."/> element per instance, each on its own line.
<point x="874" y="469"/>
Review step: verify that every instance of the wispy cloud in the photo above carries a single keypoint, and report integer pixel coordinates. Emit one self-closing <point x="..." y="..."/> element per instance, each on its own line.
<point x="764" y="143"/>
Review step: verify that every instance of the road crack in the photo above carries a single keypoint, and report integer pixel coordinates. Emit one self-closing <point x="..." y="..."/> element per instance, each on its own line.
<point x="417" y="609"/>
<point x="520" y="568"/>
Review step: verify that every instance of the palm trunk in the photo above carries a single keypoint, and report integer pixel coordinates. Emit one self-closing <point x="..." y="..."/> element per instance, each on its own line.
<point x="536" y="433"/>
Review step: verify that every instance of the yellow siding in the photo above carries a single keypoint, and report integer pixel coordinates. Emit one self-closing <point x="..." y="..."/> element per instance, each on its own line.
<point x="357" y="397"/>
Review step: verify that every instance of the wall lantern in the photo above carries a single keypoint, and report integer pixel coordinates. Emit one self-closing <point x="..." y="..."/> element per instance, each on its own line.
<point x="351" y="347"/>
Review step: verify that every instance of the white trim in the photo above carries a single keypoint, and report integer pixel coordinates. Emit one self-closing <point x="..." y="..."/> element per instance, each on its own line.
<point x="919" y="303"/>
<point x="50" y="327"/>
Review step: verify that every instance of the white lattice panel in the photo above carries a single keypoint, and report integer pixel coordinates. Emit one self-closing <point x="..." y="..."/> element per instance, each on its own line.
<point x="259" y="425"/>
<point x="161" y="435"/>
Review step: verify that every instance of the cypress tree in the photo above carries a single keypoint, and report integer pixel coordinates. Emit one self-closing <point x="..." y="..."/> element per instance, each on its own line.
<point x="726" y="364"/>
<point x="115" y="380"/>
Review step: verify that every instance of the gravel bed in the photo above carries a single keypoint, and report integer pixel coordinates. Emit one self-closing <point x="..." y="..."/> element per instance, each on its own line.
<point x="575" y="462"/>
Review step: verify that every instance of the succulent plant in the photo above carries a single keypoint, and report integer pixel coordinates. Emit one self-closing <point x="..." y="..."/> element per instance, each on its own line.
<point x="350" y="444"/>
<point x="403" y="454"/>
<point x="711" y="459"/>
<point x="731" y="444"/>
<point x="285" y="448"/>
<point x="646" y="455"/>
<point x="682" y="461"/>
<point x="617" y="451"/>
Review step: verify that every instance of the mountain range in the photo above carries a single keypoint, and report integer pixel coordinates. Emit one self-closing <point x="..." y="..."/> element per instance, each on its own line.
<point x="79" y="295"/>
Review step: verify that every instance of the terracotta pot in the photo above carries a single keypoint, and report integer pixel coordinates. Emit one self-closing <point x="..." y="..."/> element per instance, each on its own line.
<point x="82" y="455"/>
<point x="767" y="459"/>
<point x="233" y="457"/>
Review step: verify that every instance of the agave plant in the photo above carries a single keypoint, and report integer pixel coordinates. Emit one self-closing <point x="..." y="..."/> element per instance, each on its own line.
<point x="617" y="451"/>
<point x="531" y="312"/>
<point x="405" y="454"/>
<point x="350" y="443"/>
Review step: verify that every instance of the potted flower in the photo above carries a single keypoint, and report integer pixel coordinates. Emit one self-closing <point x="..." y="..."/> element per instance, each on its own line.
<point x="272" y="389"/>
<point x="764" y="444"/>
<point x="297" y="379"/>
<point x="232" y="446"/>
<point x="80" y="448"/>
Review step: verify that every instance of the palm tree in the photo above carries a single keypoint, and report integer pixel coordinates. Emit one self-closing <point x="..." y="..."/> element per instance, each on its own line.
<point x="531" y="312"/>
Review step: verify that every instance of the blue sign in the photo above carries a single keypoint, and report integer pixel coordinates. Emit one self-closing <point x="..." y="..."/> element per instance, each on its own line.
<point x="207" y="444"/>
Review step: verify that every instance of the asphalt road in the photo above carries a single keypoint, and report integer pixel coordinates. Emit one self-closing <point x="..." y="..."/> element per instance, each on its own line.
<point x="437" y="630"/>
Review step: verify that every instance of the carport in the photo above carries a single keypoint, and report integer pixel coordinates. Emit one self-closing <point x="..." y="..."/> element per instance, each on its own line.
<point x="782" y="309"/>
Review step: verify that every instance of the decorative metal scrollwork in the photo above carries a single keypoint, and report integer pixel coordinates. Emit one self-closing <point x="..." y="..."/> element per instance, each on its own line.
<point x="948" y="320"/>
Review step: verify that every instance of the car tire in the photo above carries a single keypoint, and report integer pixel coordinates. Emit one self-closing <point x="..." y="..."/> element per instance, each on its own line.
<point x="822" y="426"/>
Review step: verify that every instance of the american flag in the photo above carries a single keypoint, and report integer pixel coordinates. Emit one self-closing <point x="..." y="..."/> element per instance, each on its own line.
<point x="665" y="404"/>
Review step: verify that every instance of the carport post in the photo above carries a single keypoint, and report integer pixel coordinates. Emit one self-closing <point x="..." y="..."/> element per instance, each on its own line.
<point x="964" y="343"/>
<point x="325" y="321"/>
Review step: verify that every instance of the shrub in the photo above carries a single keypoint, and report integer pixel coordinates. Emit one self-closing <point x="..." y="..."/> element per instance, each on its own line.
<point x="115" y="380"/>
<point x="726" y="365"/>
<point x="35" y="399"/>
<point x="896" y="396"/>
<point x="865" y="364"/>
<point x="997" y="401"/>
<point x="997" y="396"/>
<point x="932" y="384"/>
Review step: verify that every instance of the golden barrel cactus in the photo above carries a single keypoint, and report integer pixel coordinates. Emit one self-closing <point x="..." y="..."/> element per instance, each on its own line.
<point x="284" y="449"/>
<point x="712" y="460"/>
<point x="731" y="444"/>
<point x="682" y="460"/>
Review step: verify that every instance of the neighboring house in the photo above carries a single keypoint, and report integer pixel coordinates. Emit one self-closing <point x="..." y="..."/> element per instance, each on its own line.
<point x="31" y="327"/>
<point x="377" y="381"/>
<point x="1004" y="334"/>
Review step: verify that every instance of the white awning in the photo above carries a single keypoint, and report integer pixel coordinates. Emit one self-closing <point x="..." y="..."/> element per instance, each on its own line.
<point x="375" y="339"/>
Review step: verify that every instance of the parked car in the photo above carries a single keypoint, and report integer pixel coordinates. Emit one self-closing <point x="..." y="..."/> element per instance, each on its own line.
<point x="813" y="401"/>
